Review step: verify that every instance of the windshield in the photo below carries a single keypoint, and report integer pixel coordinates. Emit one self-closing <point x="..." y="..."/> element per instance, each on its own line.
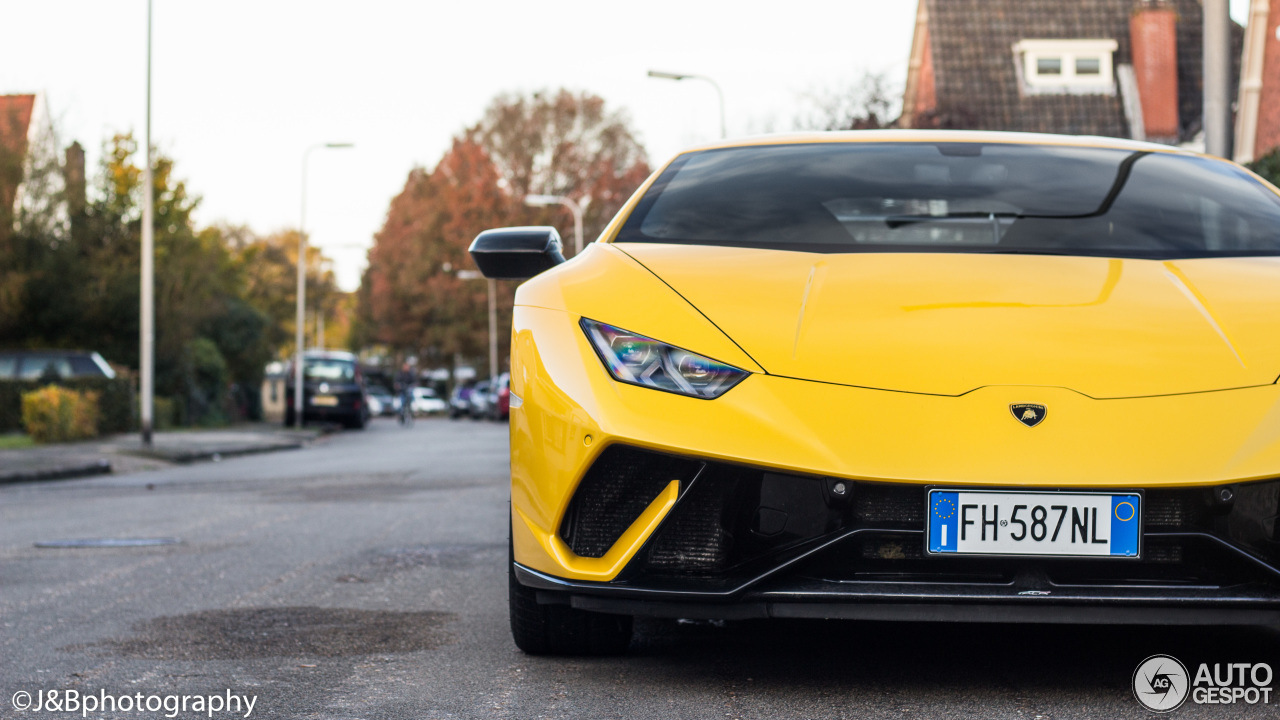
<point x="959" y="197"/>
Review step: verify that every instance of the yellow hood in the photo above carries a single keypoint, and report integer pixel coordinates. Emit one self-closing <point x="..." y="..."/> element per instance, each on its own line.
<point x="949" y="323"/>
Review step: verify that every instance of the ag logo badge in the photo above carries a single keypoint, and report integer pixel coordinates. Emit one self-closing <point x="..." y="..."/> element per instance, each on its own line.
<point x="1029" y="414"/>
<point x="1161" y="683"/>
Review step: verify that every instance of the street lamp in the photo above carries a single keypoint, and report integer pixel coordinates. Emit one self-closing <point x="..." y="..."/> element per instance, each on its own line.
<point x="574" y="207"/>
<point x="493" y="317"/>
<point x="147" y="321"/>
<point x="684" y="76"/>
<point x="300" y="335"/>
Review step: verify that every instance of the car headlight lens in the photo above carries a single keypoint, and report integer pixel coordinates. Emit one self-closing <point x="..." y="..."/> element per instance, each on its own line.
<point x="640" y="360"/>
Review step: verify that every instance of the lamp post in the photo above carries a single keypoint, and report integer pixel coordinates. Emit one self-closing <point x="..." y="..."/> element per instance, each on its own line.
<point x="574" y="207"/>
<point x="147" y="321"/>
<point x="493" y="317"/>
<point x="1217" y="78"/>
<point x="300" y="336"/>
<point x="685" y="76"/>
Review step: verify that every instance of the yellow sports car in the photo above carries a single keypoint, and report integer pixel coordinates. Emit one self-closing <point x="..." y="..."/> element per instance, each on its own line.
<point x="900" y="375"/>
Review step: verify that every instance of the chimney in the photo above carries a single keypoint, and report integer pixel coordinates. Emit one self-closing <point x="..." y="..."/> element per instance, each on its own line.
<point x="1154" y="34"/>
<point x="73" y="172"/>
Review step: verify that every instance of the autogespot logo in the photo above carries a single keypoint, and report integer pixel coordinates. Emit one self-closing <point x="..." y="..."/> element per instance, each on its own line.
<point x="1161" y="683"/>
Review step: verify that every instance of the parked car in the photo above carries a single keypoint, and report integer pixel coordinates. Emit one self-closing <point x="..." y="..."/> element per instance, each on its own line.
<point x="460" y="401"/>
<point x="333" y="390"/>
<point x="480" y="400"/>
<point x="501" y="397"/>
<point x="381" y="401"/>
<point x="911" y="375"/>
<point x="426" y="402"/>
<point x="59" y="364"/>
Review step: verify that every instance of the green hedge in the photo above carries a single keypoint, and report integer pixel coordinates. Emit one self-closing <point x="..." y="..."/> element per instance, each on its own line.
<point x="115" y="401"/>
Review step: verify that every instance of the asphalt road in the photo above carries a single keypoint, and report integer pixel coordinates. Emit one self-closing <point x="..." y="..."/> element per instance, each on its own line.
<point x="364" y="577"/>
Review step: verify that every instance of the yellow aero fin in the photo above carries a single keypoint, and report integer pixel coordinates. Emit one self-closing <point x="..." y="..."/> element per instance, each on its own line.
<point x="606" y="568"/>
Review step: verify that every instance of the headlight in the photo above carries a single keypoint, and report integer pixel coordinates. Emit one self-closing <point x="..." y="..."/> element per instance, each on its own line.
<point x="639" y="360"/>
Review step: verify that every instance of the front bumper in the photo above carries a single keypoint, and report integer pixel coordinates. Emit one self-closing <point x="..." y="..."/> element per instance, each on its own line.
<point x="741" y="542"/>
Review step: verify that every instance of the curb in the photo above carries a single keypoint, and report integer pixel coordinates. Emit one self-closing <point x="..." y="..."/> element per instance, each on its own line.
<point x="59" y="472"/>
<point x="184" y="457"/>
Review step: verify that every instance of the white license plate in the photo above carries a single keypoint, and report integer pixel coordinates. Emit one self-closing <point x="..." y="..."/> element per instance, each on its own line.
<point x="983" y="522"/>
<point x="325" y="401"/>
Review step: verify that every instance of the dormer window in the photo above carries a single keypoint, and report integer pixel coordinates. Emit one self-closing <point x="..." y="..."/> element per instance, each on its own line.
<point x="1065" y="67"/>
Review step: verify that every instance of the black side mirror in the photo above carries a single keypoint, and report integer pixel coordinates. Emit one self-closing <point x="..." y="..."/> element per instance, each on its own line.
<point x="516" y="253"/>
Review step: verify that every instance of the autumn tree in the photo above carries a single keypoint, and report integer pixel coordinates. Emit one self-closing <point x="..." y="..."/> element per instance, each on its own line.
<point x="224" y="297"/>
<point x="568" y="144"/>
<point x="411" y="297"/>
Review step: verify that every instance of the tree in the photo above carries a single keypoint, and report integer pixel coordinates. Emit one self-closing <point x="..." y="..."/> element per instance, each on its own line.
<point x="411" y="297"/>
<point x="870" y="103"/>
<point x="566" y="144"/>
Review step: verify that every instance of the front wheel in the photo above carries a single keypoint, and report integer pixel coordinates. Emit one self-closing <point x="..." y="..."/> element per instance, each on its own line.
<point x="560" y="629"/>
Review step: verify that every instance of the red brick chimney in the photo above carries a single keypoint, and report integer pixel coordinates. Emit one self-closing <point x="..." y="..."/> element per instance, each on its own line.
<point x="1154" y="34"/>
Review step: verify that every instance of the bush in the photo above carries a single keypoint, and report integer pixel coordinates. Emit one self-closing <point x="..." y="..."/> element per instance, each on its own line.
<point x="55" y="414"/>
<point x="115" y="401"/>
<point x="1268" y="166"/>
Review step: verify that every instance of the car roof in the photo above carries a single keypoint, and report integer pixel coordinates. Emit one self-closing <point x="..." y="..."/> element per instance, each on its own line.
<point x="935" y="136"/>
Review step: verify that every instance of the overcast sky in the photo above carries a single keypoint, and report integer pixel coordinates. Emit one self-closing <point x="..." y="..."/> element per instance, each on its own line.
<point x="241" y="88"/>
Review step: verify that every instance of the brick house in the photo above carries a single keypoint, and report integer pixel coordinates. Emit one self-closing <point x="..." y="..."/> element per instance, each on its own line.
<point x="1118" y="68"/>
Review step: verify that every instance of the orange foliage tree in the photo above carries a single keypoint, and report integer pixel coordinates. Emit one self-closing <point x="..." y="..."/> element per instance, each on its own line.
<point x="411" y="298"/>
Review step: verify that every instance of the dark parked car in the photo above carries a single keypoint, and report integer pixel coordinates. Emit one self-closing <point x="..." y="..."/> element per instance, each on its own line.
<point x="480" y="400"/>
<point x="460" y="401"/>
<point x="333" y="390"/>
<point x="55" y="364"/>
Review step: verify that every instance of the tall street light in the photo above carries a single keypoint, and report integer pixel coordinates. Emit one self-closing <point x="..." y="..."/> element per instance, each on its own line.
<point x="147" y="323"/>
<point x="301" y="334"/>
<point x="493" y="317"/>
<point x="684" y="76"/>
<point x="1217" y="78"/>
<point x="574" y="207"/>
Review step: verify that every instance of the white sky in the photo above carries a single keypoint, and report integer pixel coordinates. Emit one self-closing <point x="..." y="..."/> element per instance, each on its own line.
<point x="241" y="88"/>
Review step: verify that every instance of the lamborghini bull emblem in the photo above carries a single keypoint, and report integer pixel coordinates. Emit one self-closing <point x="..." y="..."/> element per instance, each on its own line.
<point x="1029" y="414"/>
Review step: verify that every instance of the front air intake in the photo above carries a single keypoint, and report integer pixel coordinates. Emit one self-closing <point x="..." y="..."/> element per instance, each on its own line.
<point x="619" y="485"/>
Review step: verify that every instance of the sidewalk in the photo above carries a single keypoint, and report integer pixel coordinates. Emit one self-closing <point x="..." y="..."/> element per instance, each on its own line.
<point x="125" y="453"/>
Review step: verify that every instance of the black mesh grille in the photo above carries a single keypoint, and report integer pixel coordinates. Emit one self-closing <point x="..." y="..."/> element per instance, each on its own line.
<point x="693" y="541"/>
<point x="874" y="503"/>
<point x="618" y="487"/>
<point x="1170" y="508"/>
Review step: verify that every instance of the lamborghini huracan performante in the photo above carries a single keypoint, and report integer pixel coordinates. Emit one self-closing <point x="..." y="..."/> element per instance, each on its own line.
<point x="900" y="375"/>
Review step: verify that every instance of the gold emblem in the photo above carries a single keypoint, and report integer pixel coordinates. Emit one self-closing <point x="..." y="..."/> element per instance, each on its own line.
<point x="1029" y="414"/>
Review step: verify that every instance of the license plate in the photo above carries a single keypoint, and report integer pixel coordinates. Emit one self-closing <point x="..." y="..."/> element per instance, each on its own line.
<point x="983" y="522"/>
<point x="325" y="400"/>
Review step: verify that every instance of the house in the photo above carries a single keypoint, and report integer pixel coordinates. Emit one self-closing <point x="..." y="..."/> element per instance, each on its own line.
<point x="1119" y="68"/>
<point x="32" y="176"/>
<point x="1258" y="114"/>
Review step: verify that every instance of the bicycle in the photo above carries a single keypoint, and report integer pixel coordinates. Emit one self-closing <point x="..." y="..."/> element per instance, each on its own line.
<point x="405" y="414"/>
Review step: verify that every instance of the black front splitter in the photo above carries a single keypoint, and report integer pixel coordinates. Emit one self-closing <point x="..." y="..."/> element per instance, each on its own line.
<point x="1250" y="604"/>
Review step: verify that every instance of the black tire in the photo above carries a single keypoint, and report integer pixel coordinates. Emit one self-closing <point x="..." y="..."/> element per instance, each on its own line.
<point x="562" y="630"/>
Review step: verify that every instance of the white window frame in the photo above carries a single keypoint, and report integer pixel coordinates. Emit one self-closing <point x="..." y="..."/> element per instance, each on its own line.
<point x="1028" y="53"/>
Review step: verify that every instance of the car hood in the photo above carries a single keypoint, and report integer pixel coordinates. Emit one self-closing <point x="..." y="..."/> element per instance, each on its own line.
<point x="949" y="323"/>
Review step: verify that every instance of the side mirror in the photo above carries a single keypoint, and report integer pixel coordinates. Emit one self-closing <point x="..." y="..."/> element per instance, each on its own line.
<point x="516" y="253"/>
